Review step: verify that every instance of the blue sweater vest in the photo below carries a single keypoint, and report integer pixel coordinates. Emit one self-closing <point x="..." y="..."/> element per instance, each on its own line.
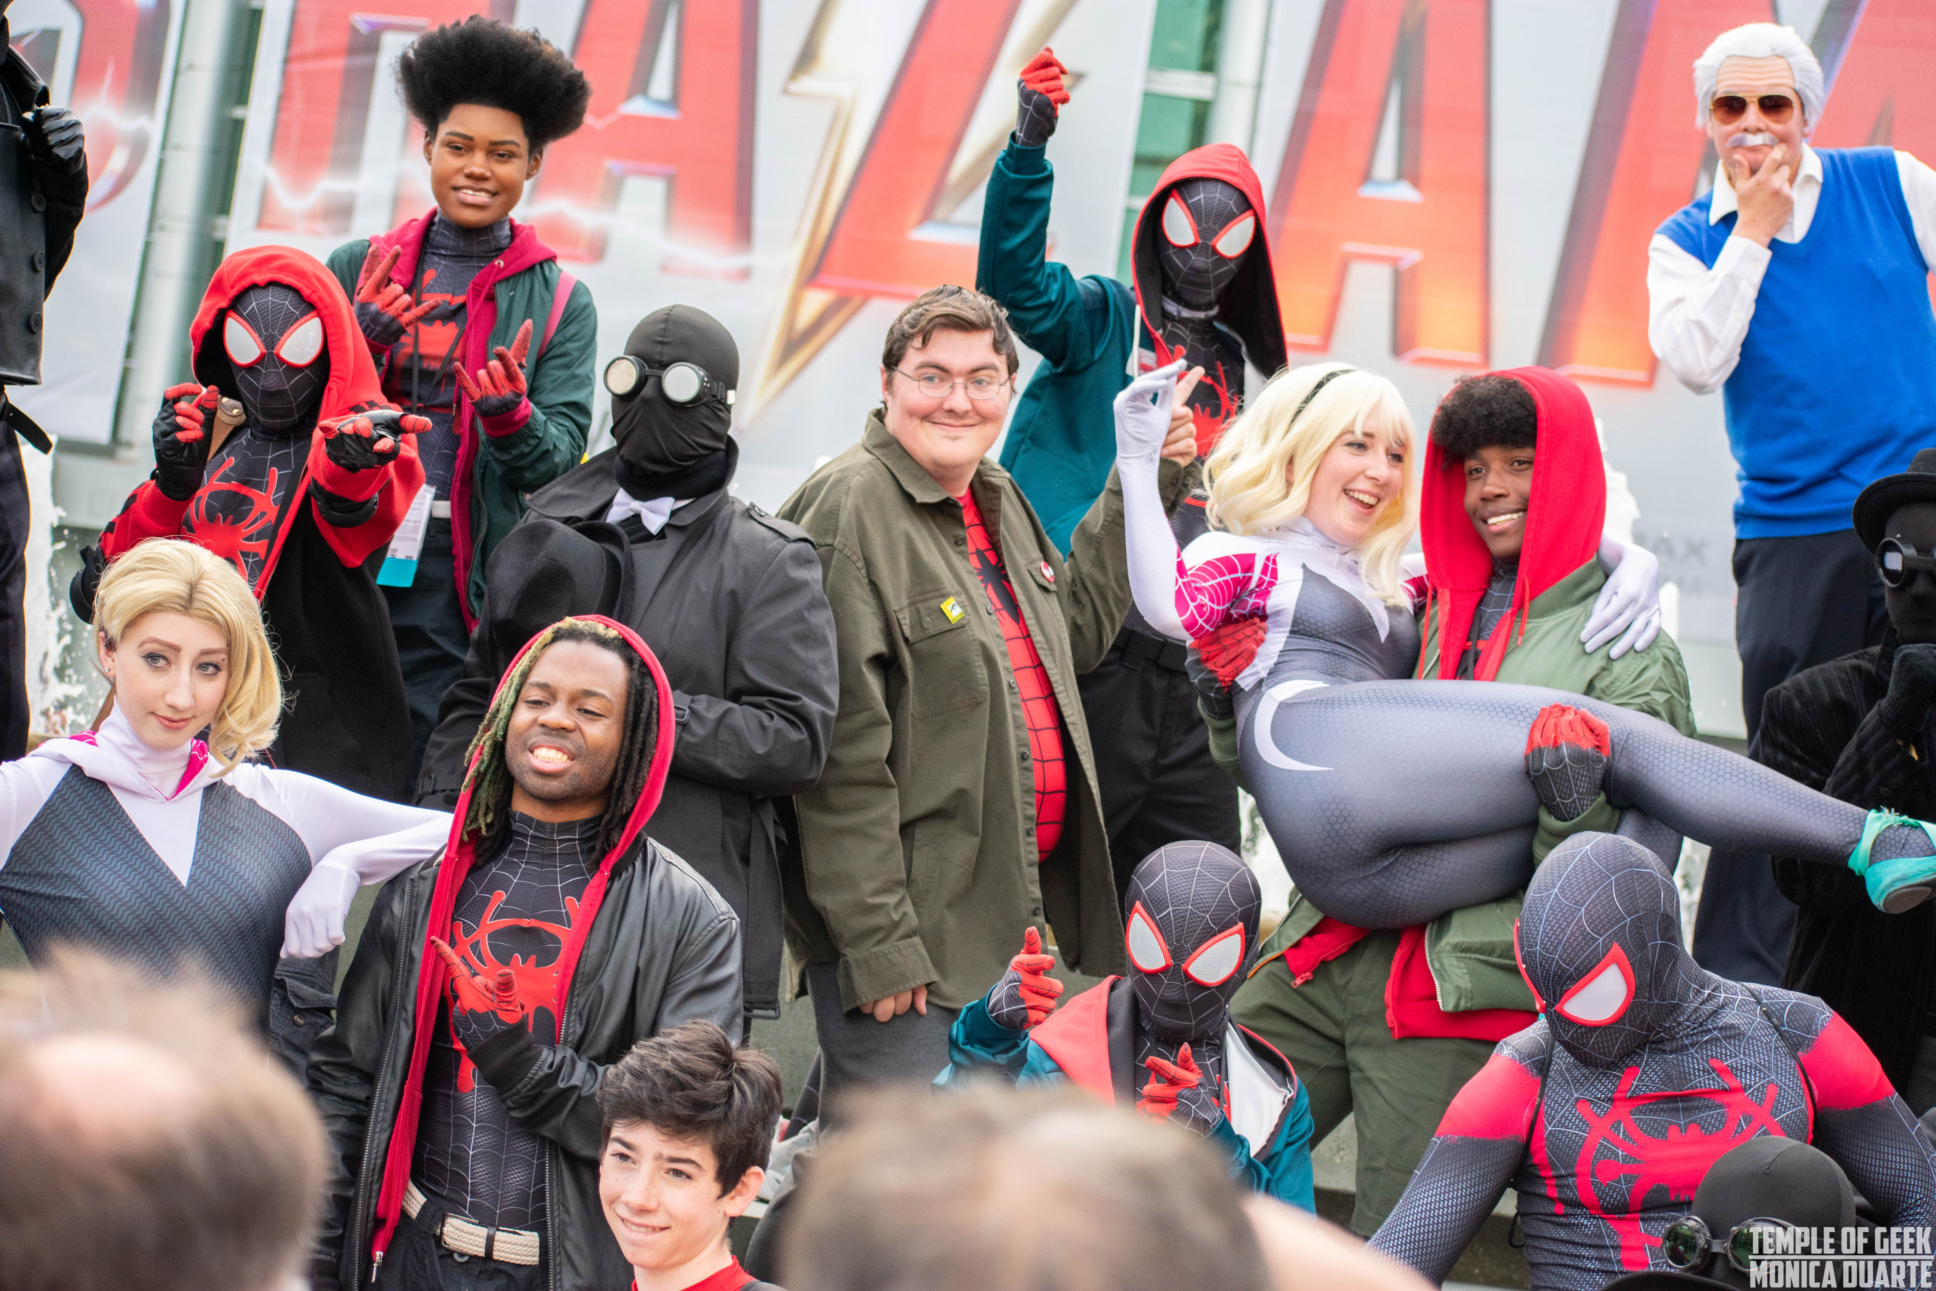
<point x="1837" y="380"/>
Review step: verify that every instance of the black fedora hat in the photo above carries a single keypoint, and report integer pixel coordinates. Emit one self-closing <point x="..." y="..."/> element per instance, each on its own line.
<point x="544" y="571"/>
<point x="1875" y="504"/>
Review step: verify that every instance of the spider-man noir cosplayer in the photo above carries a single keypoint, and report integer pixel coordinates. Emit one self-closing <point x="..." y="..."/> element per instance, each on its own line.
<point x="1642" y="1070"/>
<point x="1190" y="937"/>
<point x="1201" y="289"/>
<point x="300" y="493"/>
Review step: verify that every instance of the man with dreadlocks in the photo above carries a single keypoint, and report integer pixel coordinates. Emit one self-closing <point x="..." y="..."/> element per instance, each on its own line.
<point x="473" y="325"/>
<point x="495" y="984"/>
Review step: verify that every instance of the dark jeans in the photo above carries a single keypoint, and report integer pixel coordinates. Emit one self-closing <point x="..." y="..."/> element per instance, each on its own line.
<point x="856" y="1051"/>
<point x="1152" y="753"/>
<point x="431" y="638"/>
<point x="14" y="521"/>
<point x="417" y="1261"/>
<point x="1800" y="602"/>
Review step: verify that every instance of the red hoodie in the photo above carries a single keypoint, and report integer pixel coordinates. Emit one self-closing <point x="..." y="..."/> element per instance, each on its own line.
<point x="459" y="855"/>
<point x="1565" y="514"/>
<point x="352" y="388"/>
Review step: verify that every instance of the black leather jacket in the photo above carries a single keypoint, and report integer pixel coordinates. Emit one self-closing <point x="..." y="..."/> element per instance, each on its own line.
<point x="663" y="949"/>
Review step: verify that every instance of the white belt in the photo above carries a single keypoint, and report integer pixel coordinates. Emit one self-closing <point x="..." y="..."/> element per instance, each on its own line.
<point x="440" y="509"/>
<point x="510" y="1245"/>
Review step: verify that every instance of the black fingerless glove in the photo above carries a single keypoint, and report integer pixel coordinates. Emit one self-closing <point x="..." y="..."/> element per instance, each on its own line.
<point x="379" y="327"/>
<point x="1912" y="688"/>
<point x="1035" y="116"/>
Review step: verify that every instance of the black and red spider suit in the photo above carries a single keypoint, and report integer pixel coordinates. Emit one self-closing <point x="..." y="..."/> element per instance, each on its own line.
<point x="298" y="506"/>
<point x="1659" y="1068"/>
<point x="1201" y="288"/>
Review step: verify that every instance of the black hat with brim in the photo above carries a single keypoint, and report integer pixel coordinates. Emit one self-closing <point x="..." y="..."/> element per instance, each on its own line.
<point x="544" y="571"/>
<point x="1879" y="501"/>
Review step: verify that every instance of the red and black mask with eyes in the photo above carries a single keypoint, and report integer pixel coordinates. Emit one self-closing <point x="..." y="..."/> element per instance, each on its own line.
<point x="276" y="347"/>
<point x="1206" y="228"/>
<point x="1599" y="942"/>
<point x="1191" y="928"/>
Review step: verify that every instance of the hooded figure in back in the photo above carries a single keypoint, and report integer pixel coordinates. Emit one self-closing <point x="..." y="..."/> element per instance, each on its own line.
<point x="1202" y="291"/>
<point x="729" y="596"/>
<point x="1642" y="1071"/>
<point x="1190" y="936"/>
<point x="283" y="457"/>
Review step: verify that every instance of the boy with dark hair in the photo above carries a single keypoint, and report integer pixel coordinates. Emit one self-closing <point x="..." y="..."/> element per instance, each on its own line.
<point x="688" y="1124"/>
<point x="473" y="325"/>
<point x="1388" y="1025"/>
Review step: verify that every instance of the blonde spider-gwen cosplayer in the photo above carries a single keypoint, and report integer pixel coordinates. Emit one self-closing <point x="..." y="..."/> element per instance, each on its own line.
<point x="154" y="837"/>
<point x="1394" y="801"/>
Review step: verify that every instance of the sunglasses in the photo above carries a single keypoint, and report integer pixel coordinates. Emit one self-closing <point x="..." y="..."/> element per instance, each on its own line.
<point x="1899" y="563"/>
<point x="1730" y="108"/>
<point x="1688" y="1242"/>
<point x="681" y="383"/>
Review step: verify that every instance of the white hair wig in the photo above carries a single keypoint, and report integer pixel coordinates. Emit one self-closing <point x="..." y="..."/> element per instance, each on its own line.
<point x="1760" y="40"/>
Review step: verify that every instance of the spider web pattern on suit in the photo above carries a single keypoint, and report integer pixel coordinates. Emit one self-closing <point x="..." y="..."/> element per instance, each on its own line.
<point x="281" y="397"/>
<point x="514" y="912"/>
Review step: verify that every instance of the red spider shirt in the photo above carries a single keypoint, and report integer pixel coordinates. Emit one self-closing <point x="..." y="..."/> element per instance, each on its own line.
<point x="1039" y="709"/>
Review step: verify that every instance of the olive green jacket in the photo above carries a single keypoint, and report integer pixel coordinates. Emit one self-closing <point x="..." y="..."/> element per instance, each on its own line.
<point x="918" y="843"/>
<point x="1470" y="951"/>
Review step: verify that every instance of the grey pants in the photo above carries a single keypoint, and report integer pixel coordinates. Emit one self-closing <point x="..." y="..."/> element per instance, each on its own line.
<point x="857" y="1051"/>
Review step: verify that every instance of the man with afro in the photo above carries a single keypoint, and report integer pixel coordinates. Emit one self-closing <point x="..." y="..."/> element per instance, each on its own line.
<point x="1389" y="1025"/>
<point x="473" y="325"/>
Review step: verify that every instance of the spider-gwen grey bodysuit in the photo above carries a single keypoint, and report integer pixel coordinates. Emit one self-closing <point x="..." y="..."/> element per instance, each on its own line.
<point x="1392" y="802"/>
<point x="1642" y="1071"/>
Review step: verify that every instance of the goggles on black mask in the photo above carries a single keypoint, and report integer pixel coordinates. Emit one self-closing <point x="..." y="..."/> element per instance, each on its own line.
<point x="680" y="383"/>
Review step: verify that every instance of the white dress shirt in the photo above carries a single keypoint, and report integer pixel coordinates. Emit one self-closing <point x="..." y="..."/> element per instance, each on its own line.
<point x="1697" y="317"/>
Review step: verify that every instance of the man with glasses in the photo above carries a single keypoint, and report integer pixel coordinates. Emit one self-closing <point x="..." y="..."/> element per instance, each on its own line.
<point x="1797" y="287"/>
<point x="959" y="804"/>
<point x="1859" y="729"/>
<point x="728" y="597"/>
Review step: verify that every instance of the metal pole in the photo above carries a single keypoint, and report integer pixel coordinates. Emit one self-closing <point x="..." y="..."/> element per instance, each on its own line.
<point x="1240" y="72"/>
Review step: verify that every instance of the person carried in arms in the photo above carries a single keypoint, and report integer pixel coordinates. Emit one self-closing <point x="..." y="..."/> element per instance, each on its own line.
<point x="1385" y="1026"/>
<point x="284" y="458"/>
<point x="1201" y="291"/>
<point x="1393" y="802"/>
<point x="497" y="982"/>
<point x="473" y="324"/>
<point x="1642" y="1071"/>
<point x="1190" y="935"/>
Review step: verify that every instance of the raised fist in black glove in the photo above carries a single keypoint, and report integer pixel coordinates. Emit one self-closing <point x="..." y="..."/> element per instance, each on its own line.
<point x="368" y="440"/>
<point x="1912" y="689"/>
<point x="181" y="439"/>
<point x="1566" y="759"/>
<point x="55" y="136"/>
<point x="1038" y="94"/>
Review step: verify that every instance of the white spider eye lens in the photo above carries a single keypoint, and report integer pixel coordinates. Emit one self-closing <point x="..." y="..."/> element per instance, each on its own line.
<point x="682" y="383"/>
<point x="1235" y="240"/>
<point x="1603" y="994"/>
<point x="1145" y="943"/>
<point x="622" y="375"/>
<point x="240" y="342"/>
<point x="304" y="342"/>
<point x="1178" y="227"/>
<point x="1215" y="960"/>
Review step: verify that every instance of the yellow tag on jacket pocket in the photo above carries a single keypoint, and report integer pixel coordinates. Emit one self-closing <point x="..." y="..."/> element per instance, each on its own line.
<point x="952" y="608"/>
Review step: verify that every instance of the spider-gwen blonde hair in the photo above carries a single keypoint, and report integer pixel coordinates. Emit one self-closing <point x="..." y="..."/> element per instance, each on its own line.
<point x="172" y="576"/>
<point x="1259" y="475"/>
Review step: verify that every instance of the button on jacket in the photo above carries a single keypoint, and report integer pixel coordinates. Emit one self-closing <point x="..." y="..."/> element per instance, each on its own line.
<point x="919" y="861"/>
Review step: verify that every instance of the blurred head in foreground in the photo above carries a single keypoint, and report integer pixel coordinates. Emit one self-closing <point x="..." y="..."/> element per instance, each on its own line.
<point x="1024" y="1190"/>
<point x="150" y="1144"/>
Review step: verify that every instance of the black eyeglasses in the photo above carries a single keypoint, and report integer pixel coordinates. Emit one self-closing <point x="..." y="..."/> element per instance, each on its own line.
<point x="680" y="383"/>
<point x="1899" y="563"/>
<point x="1688" y="1242"/>
<point x="1730" y="108"/>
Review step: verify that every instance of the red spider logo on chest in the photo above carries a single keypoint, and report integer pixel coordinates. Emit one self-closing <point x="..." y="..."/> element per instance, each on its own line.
<point x="537" y="983"/>
<point x="230" y="537"/>
<point x="1207" y="423"/>
<point x="1617" y="1151"/>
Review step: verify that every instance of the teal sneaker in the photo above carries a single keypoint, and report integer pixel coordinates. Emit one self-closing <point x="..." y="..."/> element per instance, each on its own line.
<point x="1899" y="883"/>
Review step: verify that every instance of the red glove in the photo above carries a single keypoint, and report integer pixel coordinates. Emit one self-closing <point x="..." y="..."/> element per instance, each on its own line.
<point x="1039" y="990"/>
<point x="1228" y="650"/>
<point x="499" y="386"/>
<point x="1171" y="1079"/>
<point x="1567" y="751"/>
<point x="369" y="439"/>
<point x="1044" y="75"/>
<point x="1039" y="94"/>
<point x="383" y="309"/>
<point x="181" y="439"/>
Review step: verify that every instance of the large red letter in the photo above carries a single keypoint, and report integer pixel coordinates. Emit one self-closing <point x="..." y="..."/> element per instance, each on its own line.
<point x="1643" y="155"/>
<point x="1432" y="227"/>
<point x="702" y="142"/>
<point x="1883" y="50"/>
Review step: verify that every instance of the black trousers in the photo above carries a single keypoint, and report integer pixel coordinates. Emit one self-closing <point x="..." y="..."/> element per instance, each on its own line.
<point x="432" y="640"/>
<point x="1799" y="602"/>
<point x="417" y="1261"/>
<point x="1153" y="754"/>
<point x="14" y="522"/>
